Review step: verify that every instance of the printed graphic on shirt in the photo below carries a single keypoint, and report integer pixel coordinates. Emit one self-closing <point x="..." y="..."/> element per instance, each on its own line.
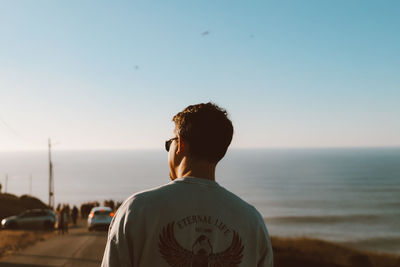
<point x="201" y="253"/>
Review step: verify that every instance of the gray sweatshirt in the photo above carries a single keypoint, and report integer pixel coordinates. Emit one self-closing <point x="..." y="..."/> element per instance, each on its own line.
<point x="187" y="222"/>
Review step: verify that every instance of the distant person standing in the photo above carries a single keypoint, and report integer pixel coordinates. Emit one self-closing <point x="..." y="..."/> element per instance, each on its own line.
<point x="60" y="217"/>
<point x="191" y="221"/>
<point x="65" y="218"/>
<point x="74" y="214"/>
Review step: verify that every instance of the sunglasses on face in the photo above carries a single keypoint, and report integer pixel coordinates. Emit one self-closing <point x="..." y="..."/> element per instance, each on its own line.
<point x="169" y="142"/>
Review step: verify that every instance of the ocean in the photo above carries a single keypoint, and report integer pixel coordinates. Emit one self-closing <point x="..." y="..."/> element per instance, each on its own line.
<point x="346" y="195"/>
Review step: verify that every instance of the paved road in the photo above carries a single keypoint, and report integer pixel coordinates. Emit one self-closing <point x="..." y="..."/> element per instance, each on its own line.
<point x="78" y="248"/>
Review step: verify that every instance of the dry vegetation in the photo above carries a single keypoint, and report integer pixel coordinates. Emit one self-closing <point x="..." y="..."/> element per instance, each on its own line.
<point x="11" y="241"/>
<point x="311" y="252"/>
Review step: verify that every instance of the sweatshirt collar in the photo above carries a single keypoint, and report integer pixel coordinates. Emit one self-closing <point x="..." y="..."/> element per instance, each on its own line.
<point x="195" y="180"/>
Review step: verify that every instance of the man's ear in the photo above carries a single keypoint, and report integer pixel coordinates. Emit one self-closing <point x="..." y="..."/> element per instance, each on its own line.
<point x="182" y="145"/>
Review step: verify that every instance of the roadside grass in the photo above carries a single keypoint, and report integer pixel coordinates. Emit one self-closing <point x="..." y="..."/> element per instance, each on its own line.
<point x="14" y="240"/>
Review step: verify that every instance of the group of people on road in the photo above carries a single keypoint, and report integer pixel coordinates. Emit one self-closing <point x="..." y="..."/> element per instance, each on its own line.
<point x="64" y="214"/>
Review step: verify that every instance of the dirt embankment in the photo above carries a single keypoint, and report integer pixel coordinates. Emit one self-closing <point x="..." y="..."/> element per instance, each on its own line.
<point x="290" y="252"/>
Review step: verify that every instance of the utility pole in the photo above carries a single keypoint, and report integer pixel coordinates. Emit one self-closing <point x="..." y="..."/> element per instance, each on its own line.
<point x="51" y="179"/>
<point x="30" y="185"/>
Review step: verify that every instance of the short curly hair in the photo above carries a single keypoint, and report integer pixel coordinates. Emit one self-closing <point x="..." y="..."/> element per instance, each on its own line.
<point x="207" y="129"/>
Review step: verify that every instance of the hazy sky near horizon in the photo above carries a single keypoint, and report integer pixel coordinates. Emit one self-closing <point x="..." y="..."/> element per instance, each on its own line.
<point x="111" y="74"/>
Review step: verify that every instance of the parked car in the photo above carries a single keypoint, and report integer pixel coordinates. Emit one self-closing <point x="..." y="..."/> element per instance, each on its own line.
<point x="31" y="219"/>
<point x="100" y="218"/>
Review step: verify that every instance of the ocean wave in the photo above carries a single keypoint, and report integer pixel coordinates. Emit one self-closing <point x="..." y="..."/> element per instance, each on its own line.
<point x="328" y="219"/>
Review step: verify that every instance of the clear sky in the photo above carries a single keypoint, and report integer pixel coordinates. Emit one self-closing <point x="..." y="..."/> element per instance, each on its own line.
<point x="111" y="74"/>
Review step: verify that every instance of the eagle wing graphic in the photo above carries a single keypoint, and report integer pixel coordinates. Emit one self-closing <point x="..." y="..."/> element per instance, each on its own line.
<point x="171" y="251"/>
<point x="230" y="257"/>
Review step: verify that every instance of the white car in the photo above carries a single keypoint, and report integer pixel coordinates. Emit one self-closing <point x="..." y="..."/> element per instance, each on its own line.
<point x="100" y="218"/>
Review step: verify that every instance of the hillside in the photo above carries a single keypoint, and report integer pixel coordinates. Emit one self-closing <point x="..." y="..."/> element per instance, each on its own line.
<point x="309" y="252"/>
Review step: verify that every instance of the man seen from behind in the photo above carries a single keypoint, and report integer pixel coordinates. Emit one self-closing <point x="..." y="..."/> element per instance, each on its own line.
<point x="191" y="221"/>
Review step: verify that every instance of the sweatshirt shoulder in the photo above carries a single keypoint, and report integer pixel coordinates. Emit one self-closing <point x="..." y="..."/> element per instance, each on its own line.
<point x="145" y="196"/>
<point x="242" y="204"/>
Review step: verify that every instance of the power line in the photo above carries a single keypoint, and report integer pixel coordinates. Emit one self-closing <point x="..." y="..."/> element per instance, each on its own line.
<point x="30" y="185"/>
<point x="9" y="128"/>
<point x="51" y="179"/>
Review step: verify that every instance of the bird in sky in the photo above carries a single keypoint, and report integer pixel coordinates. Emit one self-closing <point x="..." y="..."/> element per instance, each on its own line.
<point x="205" y="33"/>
